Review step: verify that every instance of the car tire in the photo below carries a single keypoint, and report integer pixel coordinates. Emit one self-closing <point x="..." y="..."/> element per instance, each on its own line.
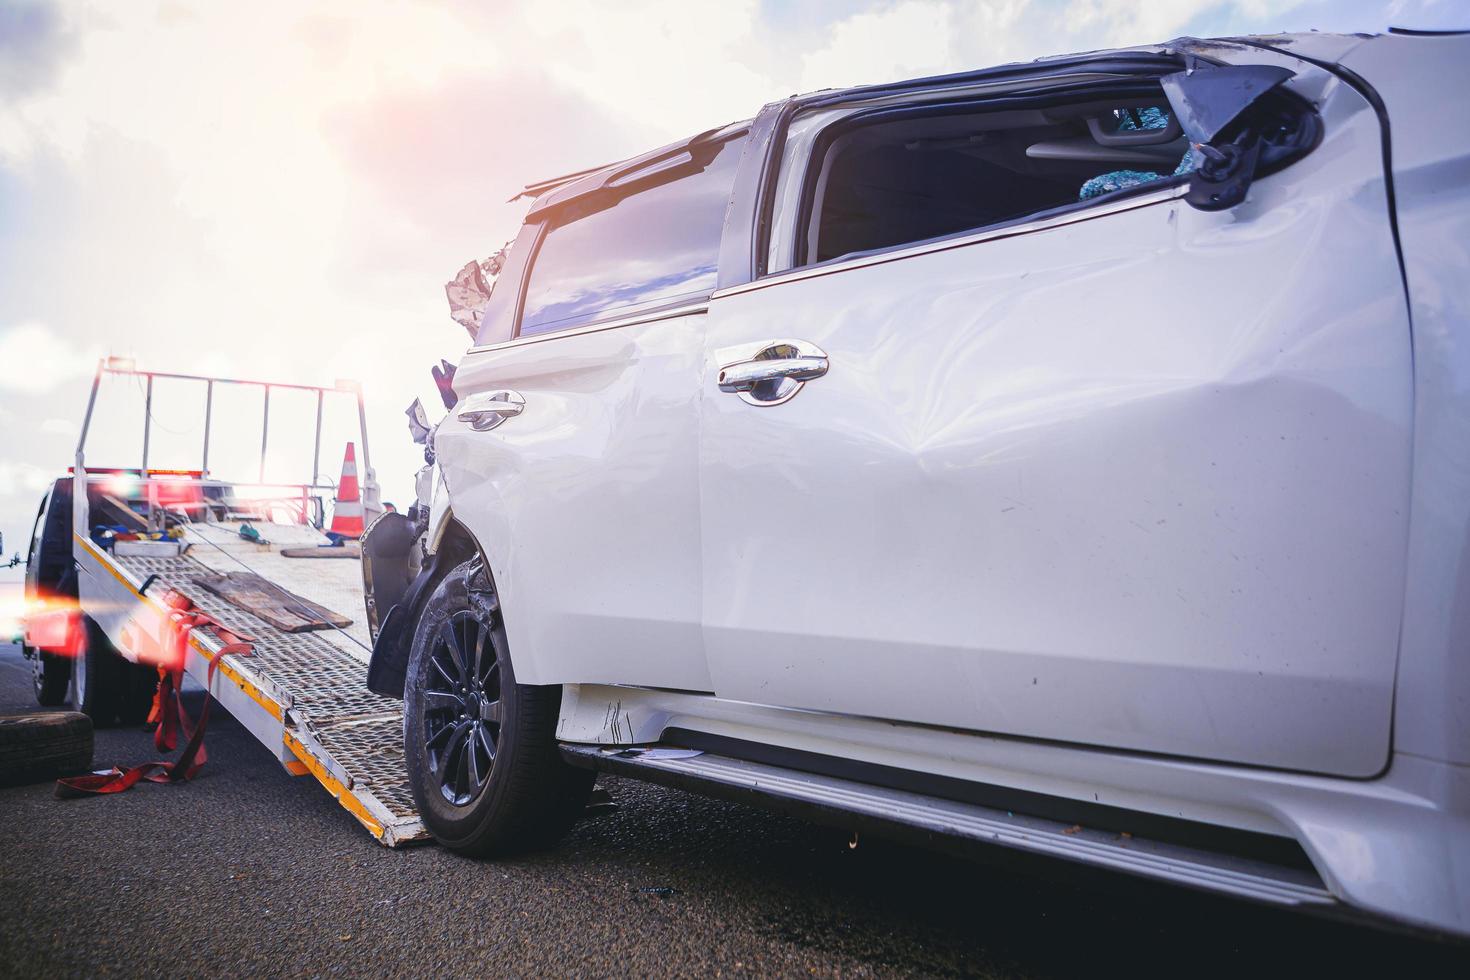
<point x="139" y="684"/>
<point x="480" y="748"/>
<point x="50" y="676"/>
<point x="96" y="676"/>
<point x="44" y="746"/>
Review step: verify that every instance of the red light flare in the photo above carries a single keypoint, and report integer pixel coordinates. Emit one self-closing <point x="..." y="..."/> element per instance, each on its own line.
<point x="54" y="623"/>
<point x="51" y="622"/>
<point x="163" y="649"/>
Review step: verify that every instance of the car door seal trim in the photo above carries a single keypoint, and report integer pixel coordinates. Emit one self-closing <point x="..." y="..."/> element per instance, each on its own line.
<point x="1071" y="214"/>
<point x="686" y="309"/>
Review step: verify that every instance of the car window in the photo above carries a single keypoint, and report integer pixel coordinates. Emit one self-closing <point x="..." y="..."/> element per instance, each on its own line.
<point x="647" y="248"/>
<point x="893" y="178"/>
<point x="497" y="320"/>
<point x="40" y="526"/>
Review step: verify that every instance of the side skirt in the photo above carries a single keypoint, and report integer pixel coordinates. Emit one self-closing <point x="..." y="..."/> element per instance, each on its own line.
<point x="931" y="821"/>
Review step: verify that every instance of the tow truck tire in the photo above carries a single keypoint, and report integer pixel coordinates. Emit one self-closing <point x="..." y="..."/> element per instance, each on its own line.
<point x="50" y="675"/>
<point x="97" y="676"/>
<point x="135" y="694"/>
<point x="43" y="746"/>
<point x="523" y="796"/>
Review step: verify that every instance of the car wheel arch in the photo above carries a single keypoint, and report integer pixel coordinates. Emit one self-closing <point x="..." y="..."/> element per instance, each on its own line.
<point x="455" y="545"/>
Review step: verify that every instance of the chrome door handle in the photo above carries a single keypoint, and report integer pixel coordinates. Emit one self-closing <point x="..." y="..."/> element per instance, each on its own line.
<point x="775" y="374"/>
<point x="486" y="410"/>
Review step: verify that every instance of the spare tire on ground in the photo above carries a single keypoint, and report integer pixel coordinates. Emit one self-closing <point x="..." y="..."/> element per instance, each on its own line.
<point x="42" y="746"/>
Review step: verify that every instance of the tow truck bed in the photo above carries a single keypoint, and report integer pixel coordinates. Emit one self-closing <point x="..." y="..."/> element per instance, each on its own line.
<point x="304" y="695"/>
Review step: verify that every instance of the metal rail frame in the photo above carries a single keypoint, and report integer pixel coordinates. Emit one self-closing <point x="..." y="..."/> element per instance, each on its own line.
<point x="117" y="366"/>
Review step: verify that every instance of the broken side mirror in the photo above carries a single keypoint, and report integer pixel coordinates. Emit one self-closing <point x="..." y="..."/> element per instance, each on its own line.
<point x="1237" y="136"/>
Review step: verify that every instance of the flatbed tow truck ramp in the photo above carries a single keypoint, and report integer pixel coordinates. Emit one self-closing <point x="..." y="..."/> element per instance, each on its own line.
<point x="303" y="694"/>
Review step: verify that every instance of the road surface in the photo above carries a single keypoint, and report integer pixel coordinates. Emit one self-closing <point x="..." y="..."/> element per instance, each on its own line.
<point x="249" y="871"/>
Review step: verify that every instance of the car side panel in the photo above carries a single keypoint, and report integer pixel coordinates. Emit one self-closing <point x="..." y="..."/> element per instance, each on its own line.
<point x="587" y="503"/>
<point x="1137" y="481"/>
<point x="1422" y="81"/>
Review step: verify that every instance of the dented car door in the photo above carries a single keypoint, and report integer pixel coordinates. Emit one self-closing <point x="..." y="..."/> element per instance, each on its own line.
<point x="1132" y="476"/>
<point x="572" y="452"/>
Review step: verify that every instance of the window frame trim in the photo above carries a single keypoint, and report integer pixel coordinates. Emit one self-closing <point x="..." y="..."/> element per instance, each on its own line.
<point x="1144" y="61"/>
<point x="861" y="116"/>
<point x="1166" y="190"/>
<point x="516" y="266"/>
<point x="611" y="323"/>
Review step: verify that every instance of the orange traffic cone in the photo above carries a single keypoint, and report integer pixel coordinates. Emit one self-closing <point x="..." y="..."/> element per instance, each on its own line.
<point x="347" y="511"/>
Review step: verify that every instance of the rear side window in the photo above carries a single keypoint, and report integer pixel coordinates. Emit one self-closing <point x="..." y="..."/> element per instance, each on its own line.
<point x="641" y="249"/>
<point x="896" y="178"/>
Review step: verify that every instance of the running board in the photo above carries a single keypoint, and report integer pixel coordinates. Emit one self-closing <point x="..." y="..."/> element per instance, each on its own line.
<point x="848" y="803"/>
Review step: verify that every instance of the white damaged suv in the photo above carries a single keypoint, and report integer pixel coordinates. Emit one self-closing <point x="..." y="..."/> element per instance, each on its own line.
<point x="1076" y="443"/>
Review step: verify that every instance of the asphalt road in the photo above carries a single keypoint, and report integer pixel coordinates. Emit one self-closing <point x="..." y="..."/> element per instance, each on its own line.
<point x="249" y="871"/>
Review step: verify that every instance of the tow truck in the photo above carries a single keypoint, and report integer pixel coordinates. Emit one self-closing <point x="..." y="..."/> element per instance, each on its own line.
<point x="116" y="552"/>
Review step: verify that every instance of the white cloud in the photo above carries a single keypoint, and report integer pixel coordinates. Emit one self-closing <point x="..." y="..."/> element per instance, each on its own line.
<point x="1125" y="22"/>
<point x="23" y="479"/>
<point x="33" y="359"/>
<point x="58" y="427"/>
<point x="672" y="65"/>
<point x="908" y="39"/>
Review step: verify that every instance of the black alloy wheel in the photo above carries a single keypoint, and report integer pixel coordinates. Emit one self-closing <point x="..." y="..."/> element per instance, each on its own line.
<point x="480" y="748"/>
<point x="462" y="709"/>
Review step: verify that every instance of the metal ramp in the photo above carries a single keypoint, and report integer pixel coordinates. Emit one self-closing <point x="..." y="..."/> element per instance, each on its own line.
<point x="302" y="694"/>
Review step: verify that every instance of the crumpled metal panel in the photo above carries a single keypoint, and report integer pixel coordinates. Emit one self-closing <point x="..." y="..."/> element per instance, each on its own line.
<point x="469" y="291"/>
<point x="1207" y="100"/>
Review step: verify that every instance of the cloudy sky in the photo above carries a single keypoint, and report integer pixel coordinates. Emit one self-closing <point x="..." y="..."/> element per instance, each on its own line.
<point x="280" y="190"/>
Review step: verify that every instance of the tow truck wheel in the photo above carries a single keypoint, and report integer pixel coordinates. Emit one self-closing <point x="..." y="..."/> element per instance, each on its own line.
<point x="138" y="684"/>
<point x="96" y="676"/>
<point x="50" y="675"/>
<point x="481" y="749"/>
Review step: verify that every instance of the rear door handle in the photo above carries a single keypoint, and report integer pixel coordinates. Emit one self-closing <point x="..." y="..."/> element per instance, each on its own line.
<point x="486" y="410"/>
<point x="775" y="374"/>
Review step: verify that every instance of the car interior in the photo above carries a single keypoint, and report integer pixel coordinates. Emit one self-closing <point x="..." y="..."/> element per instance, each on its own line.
<point x="897" y="179"/>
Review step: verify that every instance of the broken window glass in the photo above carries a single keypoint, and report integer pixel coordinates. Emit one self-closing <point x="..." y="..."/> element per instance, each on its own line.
<point x="903" y="177"/>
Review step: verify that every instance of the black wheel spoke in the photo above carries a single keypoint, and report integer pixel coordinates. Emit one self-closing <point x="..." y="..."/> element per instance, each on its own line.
<point x="462" y="783"/>
<point x="451" y="749"/>
<point x="439" y="669"/>
<point x="437" y="735"/>
<point x="486" y="741"/>
<point x="480" y="669"/>
<point x="462" y="633"/>
<point x="471" y="758"/>
<point x="490" y="712"/>
<point x="456" y="652"/>
<point x="444" y="699"/>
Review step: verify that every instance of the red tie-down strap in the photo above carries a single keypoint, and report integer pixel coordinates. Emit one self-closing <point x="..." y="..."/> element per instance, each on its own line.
<point x="168" y="707"/>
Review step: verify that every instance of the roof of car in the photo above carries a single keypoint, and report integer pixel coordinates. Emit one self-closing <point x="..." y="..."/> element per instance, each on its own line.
<point x="554" y="191"/>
